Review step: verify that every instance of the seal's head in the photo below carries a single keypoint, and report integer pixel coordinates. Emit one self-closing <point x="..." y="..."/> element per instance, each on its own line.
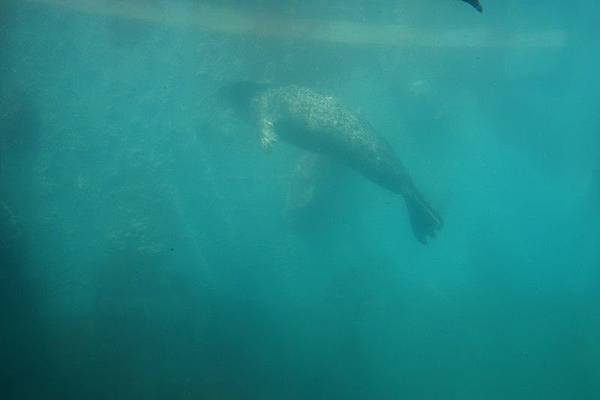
<point x="239" y="95"/>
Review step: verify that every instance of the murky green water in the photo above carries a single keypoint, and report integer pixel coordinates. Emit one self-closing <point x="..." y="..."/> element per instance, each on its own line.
<point x="150" y="249"/>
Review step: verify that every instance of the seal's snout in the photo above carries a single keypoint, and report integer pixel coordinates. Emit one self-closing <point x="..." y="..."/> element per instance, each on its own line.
<point x="238" y="95"/>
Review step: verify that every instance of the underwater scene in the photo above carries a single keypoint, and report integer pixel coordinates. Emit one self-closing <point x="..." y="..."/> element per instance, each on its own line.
<point x="286" y="199"/>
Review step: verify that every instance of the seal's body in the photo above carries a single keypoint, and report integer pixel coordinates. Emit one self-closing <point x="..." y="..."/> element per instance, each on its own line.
<point x="321" y="124"/>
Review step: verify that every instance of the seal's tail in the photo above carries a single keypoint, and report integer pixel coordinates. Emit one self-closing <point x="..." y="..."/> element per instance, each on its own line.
<point x="424" y="220"/>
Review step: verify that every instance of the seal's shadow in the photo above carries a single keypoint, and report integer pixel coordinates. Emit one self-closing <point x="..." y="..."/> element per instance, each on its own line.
<point x="320" y="198"/>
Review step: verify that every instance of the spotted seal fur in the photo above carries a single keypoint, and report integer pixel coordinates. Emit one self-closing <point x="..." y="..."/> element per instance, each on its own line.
<point x="323" y="125"/>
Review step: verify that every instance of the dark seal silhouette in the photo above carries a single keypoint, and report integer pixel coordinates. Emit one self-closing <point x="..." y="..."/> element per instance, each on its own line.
<point x="322" y="125"/>
<point x="475" y="3"/>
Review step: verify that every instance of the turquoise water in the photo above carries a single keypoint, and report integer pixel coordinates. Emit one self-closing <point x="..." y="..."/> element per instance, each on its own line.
<point x="150" y="249"/>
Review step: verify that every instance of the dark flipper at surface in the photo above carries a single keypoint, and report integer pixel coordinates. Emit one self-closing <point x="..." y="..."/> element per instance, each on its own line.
<point x="475" y="3"/>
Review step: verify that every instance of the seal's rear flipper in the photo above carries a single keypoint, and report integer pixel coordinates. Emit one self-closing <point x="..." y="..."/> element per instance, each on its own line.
<point x="424" y="220"/>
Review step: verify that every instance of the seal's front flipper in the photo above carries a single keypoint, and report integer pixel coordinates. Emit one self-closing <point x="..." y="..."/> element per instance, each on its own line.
<point x="268" y="137"/>
<point x="475" y="3"/>
<point x="424" y="220"/>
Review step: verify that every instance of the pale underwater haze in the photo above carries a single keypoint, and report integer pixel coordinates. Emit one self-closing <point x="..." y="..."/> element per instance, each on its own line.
<point x="150" y="248"/>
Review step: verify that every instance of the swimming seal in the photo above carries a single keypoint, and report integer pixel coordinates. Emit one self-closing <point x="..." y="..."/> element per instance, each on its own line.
<point x="475" y="3"/>
<point x="322" y="125"/>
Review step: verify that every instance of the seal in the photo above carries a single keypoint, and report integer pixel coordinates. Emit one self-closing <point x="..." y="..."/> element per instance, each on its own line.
<point x="475" y="3"/>
<point x="321" y="124"/>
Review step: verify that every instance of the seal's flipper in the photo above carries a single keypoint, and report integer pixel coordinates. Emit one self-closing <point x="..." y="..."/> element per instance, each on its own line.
<point x="268" y="137"/>
<point x="316" y="193"/>
<point x="424" y="220"/>
<point x="475" y="3"/>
